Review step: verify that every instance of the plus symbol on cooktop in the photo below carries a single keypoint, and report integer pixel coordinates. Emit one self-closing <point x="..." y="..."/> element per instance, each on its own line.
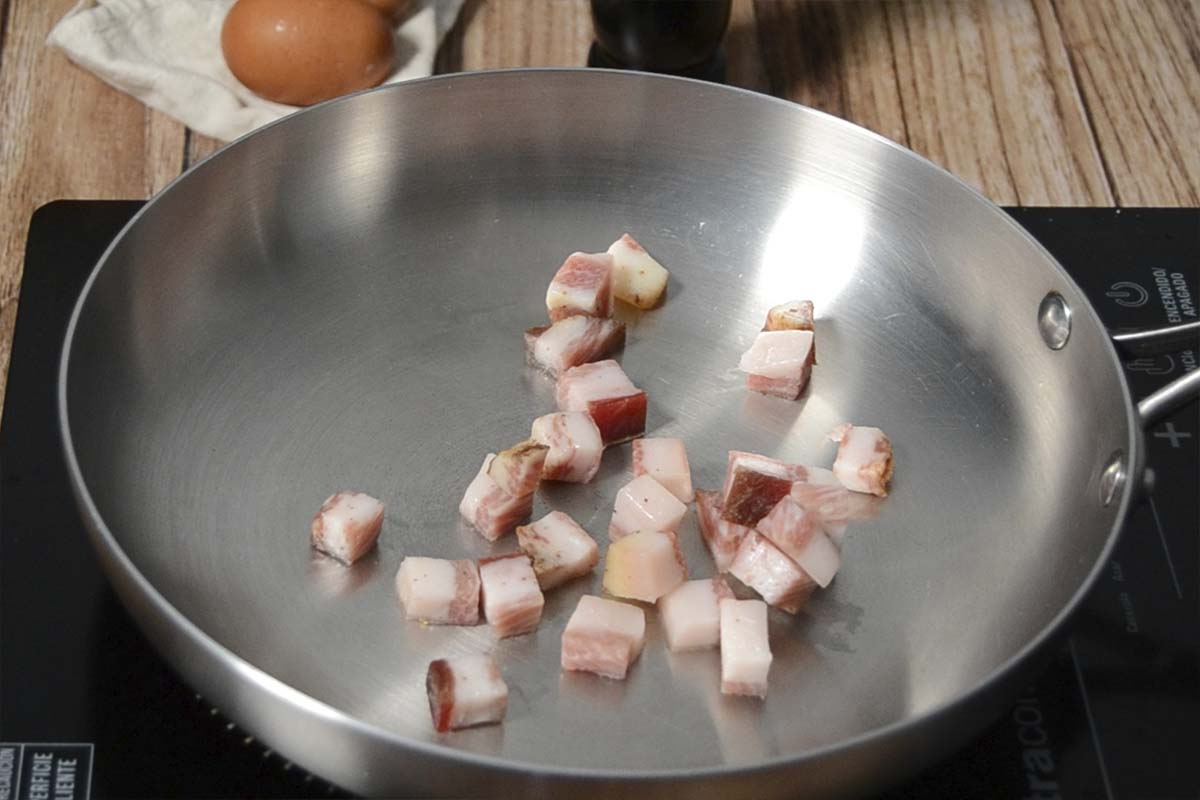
<point x="1169" y="432"/>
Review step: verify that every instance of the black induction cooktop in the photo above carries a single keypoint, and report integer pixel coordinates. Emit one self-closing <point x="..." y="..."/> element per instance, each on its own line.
<point x="88" y="709"/>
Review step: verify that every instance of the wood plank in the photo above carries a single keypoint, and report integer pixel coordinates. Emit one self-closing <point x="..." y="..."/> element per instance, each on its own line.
<point x="200" y="147"/>
<point x="513" y="33"/>
<point x="1052" y="153"/>
<point x="63" y="133"/>
<point x="985" y="95"/>
<point x="833" y="56"/>
<point x="1139" y="71"/>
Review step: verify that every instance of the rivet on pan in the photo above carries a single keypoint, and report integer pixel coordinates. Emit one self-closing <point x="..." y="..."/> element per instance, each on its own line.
<point x="1112" y="480"/>
<point x="1054" y="321"/>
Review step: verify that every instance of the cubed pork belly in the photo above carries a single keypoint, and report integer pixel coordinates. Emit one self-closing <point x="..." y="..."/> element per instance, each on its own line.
<point x="582" y="285"/>
<point x="745" y="648"/>
<point x="638" y="278"/>
<point x="439" y="591"/>
<point x="603" y="636"/>
<point x="604" y="391"/>
<point x="575" y="446"/>
<point x="800" y="536"/>
<point x="573" y="341"/>
<point x="644" y="566"/>
<point x="347" y="525"/>
<point x="767" y="570"/>
<point x="559" y="548"/>
<point x="779" y="363"/>
<point x="665" y="460"/>
<point x="491" y="510"/>
<point x="822" y="495"/>
<point x="465" y="691"/>
<point x="690" y="613"/>
<point x="644" y="504"/>
<point x="754" y="484"/>
<point x="864" y="459"/>
<point x="512" y="599"/>
<point x="721" y="536"/>
<point x="796" y="315"/>
<point x="518" y="470"/>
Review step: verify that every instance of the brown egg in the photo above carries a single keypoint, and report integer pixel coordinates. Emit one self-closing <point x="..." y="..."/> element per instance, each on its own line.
<point x="391" y="8"/>
<point x="305" y="52"/>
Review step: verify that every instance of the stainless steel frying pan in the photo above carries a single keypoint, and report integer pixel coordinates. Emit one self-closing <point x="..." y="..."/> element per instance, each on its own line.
<point x="338" y="300"/>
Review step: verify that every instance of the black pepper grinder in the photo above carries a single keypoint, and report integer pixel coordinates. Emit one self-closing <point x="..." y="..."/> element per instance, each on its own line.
<point x="678" y="37"/>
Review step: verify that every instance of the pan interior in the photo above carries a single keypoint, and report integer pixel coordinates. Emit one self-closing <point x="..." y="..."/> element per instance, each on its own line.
<point x="338" y="303"/>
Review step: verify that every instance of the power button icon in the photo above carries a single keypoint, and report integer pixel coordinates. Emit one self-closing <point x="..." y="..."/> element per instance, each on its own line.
<point x="1128" y="294"/>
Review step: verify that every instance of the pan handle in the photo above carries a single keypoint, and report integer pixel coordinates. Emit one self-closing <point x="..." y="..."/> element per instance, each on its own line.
<point x="1155" y="407"/>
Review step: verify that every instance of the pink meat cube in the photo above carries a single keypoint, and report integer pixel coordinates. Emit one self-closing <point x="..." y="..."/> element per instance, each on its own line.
<point x="754" y="484"/>
<point x="720" y="536"/>
<point x="347" y="525"/>
<point x="582" y="285"/>
<point x="666" y="461"/>
<point x="779" y="363"/>
<point x="691" y="615"/>
<point x="512" y="600"/>
<point x="559" y="548"/>
<point x="572" y="341"/>
<point x="644" y="566"/>
<point x="822" y="495"/>
<point x="518" y="470"/>
<point x="491" y="510"/>
<point x="864" y="459"/>
<point x="465" y="691"/>
<point x="796" y="315"/>
<point x="745" y="648"/>
<point x="800" y="536"/>
<point x="439" y="591"/>
<point x="575" y="446"/>
<point x="605" y="392"/>
<point x="644" y="504"/>
<point x="764" y="568"/>
<point x="603" y="636"/>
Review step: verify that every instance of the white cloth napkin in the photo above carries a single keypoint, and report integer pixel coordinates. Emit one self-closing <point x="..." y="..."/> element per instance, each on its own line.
<point x="167" y="53"/>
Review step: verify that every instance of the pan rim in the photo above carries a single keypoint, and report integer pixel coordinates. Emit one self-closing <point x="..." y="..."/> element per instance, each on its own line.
<point x="103" y="538"/>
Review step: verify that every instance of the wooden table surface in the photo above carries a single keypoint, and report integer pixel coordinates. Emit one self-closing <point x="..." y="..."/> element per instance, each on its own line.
<point x="1038" y="102"/>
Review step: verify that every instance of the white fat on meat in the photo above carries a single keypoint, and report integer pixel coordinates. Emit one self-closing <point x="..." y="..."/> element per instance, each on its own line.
<point x="644" y="566"/>
<point x="638" y="278"/>
<point x="559" y="548"/>
<point x="721" y="536"/>
<point x="575" y="446"/>
<point x="603" y="637"/>
<point x="512" y="600"/>
<point x="489" y="509"/>
<point x="795" y="315"/>
<point x="767" y="570"/>
<point x="518" y="469"/>
<point x="800" y="536"/>
<point x="347" y="525"/>
<point x="439" y="591"/>
<point x="582" y="285"/>
<point x="644" y="504"/>
<point x="745" y="648"/>
<point x="690" y="614"/>
<point x="465" y="691"/>
<point x="823" y="495"/>
<point x="664" y="459"/>
<point x="864" y="459"/>
<point x="573" y="341"/>
<point x="604" y="391"/>
<point x="779" y="362"/>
